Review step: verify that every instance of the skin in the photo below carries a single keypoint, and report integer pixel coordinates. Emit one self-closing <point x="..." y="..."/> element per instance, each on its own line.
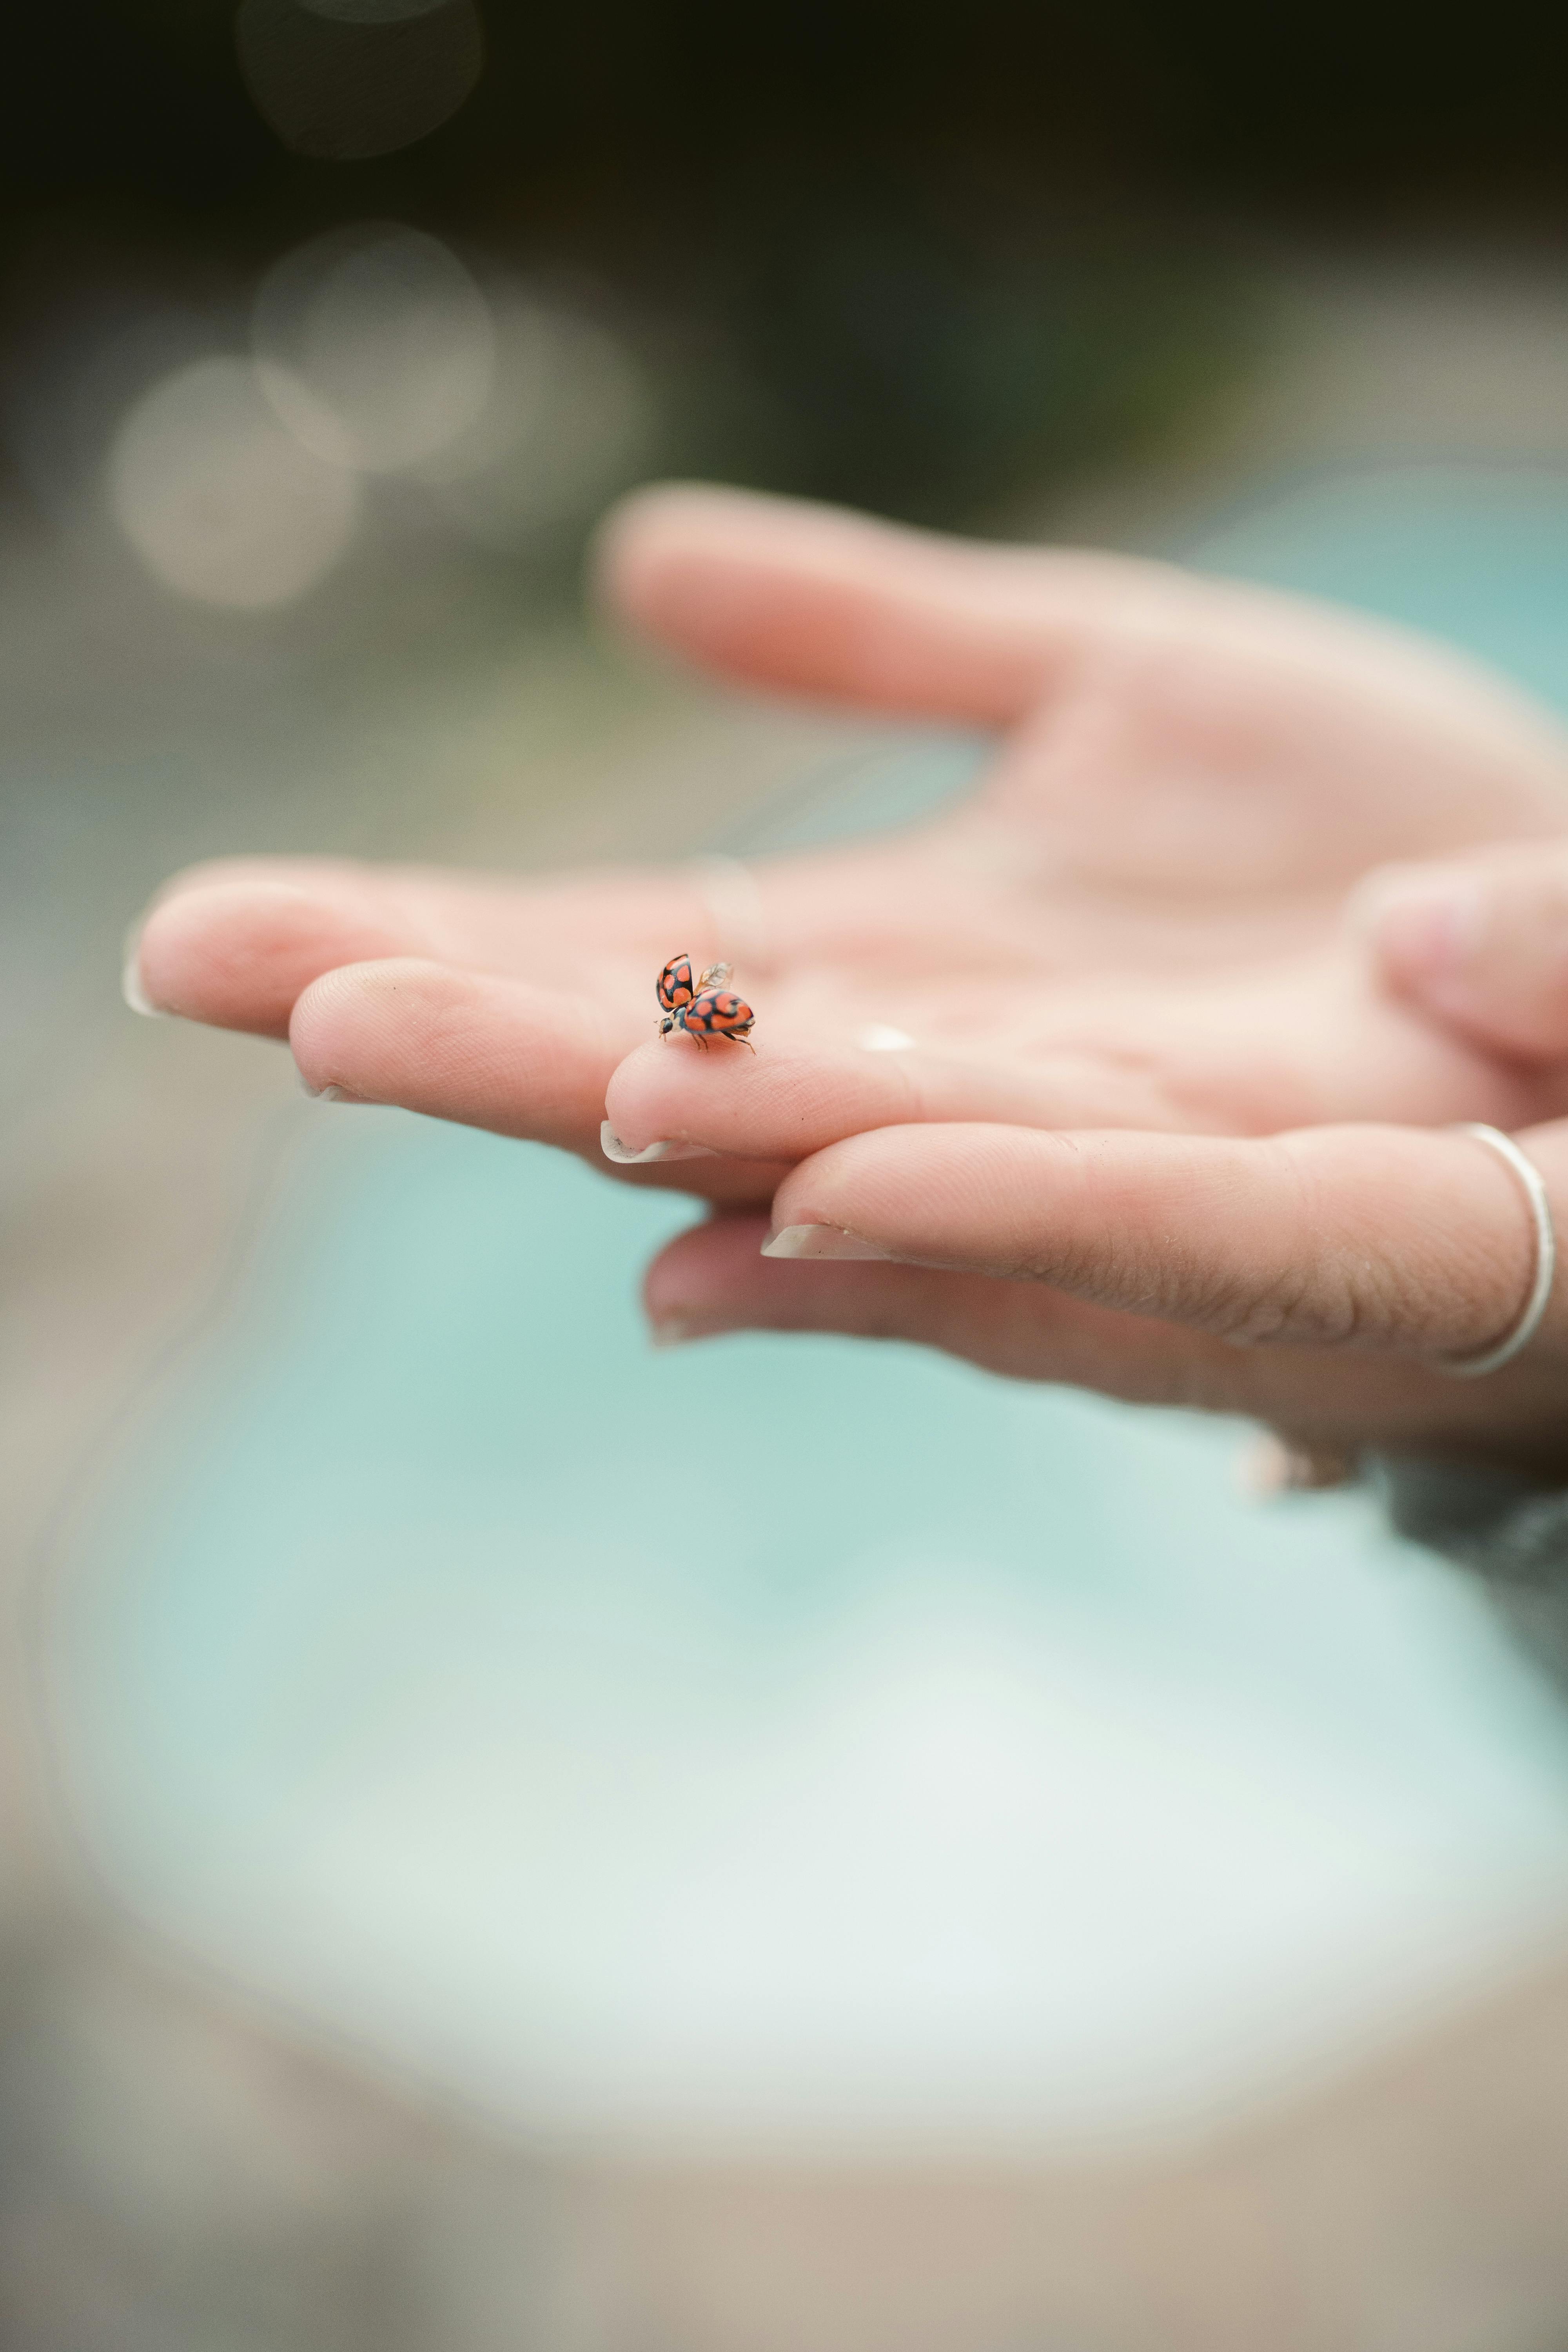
<point x="1482" y="945"/>
<point x="1125" y="965"/>
<point x="1322" y="1281"/>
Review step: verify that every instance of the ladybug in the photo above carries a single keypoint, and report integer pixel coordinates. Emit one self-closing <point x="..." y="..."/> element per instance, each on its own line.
<point x="704" y="1008"/>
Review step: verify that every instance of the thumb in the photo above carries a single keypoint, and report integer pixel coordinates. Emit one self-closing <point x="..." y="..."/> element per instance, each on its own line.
<point x="1481" y="943"/>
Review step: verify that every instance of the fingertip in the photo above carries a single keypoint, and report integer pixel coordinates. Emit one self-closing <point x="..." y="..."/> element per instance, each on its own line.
<point x="779" y="591"/>
<point x="346" y="1011"/>
<point x="1422" y="923"/>
<point x="705" y="1277"/>
<point x="237" y="954"/>
<point x="851" y="1181"/>
<point x="714" y="1277"/>
<point x="673" y="1091"/>
<point x="453" y="1043"/>
<point x="650" y="539"/>
<point x="1480" y="946"/>
<point x="639" y="1098"/>
<point x="387" y="1029"/>
<point x="214" y="951"/>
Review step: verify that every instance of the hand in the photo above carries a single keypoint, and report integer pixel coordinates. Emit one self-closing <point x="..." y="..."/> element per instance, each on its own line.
<point x="1135" y="923"/>
<point x="1321" y="1281"/>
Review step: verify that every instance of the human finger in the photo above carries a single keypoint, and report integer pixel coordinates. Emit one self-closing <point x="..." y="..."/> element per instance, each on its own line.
<point x="1481" y="942"/>
<point x="712" y="1279"/>
<point x="236" y="942"/>
<point x="486" y="1051"/>
<point x="819" y="600"/>
<point x="1334" y="1392"/>
<point x="1384" y="1240"/>
<point x="1331" y="1405"/>
<point x="799" y="1096"/>
<point x="1292" y="1046"/>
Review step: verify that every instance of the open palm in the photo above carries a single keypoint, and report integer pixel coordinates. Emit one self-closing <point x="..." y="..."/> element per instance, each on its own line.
<point x="1136" y="922"/>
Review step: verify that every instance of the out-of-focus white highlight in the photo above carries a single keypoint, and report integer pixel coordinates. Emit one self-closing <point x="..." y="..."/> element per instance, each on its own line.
<point x="376" y="346"/>
<point x="568" y="422"/>
<point x="971" y="1884"/>
<point x="375" y="352"/>
<point x="218" y="499"/>
<point x="881" y="1037"/>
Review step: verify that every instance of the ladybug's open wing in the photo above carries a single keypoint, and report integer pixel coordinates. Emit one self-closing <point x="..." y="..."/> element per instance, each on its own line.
<point x="675" y="984"/>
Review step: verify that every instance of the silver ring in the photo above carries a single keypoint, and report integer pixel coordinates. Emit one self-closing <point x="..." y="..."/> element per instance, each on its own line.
<point x="1470" y="1368"/>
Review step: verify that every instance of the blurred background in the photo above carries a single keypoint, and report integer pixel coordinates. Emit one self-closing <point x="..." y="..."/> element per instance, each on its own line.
<point x="817" y="1910"/>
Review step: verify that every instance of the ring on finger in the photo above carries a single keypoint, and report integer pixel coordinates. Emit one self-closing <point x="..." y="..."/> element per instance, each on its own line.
<point x="1529" y="1177"/>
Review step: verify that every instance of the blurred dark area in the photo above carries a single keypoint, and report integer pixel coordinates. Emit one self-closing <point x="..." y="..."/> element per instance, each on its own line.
<point x="1047" y="204"/>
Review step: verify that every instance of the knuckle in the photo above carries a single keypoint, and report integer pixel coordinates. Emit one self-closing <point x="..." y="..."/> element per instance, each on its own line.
<point x="1315" y="1285"/>
<point x="1337" y="1299"/>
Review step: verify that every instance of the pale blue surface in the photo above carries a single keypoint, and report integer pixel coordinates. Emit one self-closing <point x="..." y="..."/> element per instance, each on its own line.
<point x="934" y="1756"/>
<point x="1476" y="553"/>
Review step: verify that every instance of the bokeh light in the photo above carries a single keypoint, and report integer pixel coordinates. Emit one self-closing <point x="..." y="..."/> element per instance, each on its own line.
<point x="218" y="499"/>
<point x="357" y="77"/>
<point x="375" y="345"/>
<point x="572" y="418"/>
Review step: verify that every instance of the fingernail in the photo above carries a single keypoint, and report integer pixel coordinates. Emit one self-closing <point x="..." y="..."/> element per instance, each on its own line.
<point x="1425" y="925"/>
<point x="1270" y="1467"/>
<point x="330" y="1093"/>
<point x="623" y="1155"/>
<point x="131" y="987"/>
<point x="671" y="1331"/>
<point x="679" y="1332"/>
<point x="819" y="1241"/>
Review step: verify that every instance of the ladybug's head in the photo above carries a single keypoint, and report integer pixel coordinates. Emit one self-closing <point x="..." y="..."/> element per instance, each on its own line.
<point x="666" y="1024"/>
